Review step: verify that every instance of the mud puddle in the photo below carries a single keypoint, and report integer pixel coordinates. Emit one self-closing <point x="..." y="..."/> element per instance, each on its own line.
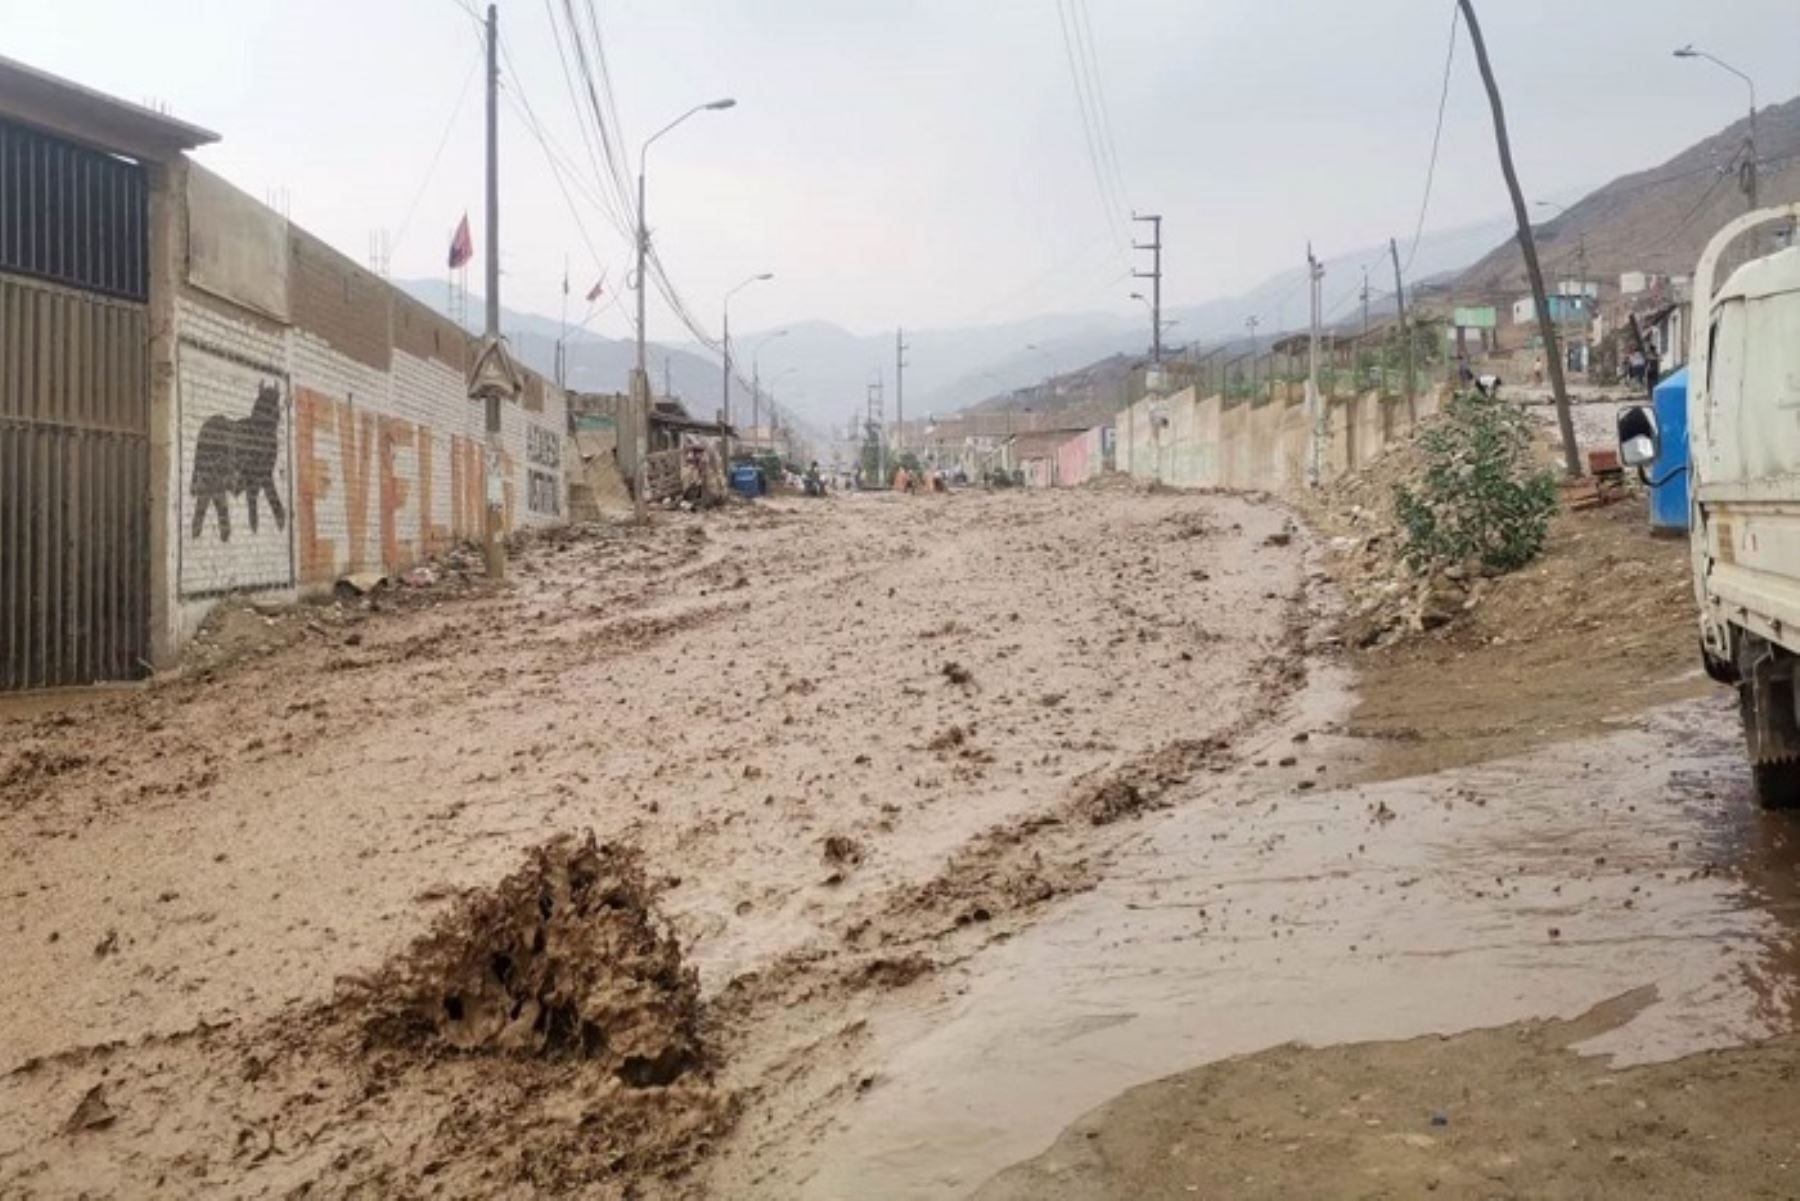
<point x="1262" y="913"/>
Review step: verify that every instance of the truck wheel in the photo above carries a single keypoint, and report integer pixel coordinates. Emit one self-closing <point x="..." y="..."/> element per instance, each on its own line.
<point x="1770" y="738"/>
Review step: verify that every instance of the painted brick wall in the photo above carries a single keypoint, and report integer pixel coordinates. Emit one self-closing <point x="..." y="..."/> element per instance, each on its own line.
<point x="233" y="472"/>
<point x="351" y="430"/>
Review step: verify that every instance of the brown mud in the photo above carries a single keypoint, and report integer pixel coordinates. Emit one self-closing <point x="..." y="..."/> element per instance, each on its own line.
<point x="1516" y="1112"/>
<point x="271" y="909"/>
<point x="921" y="828"/>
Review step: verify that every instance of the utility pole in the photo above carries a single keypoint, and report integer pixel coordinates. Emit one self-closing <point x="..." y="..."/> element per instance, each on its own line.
<point x="1315" y="271"/>
<point x="900" y="349"/>
<point x="493" y="379"/>
<point x="1251" y="322"/>
<point x="1406" y="346"/>
<point x="1365" y="301"/>
<point x="1154" y="275"/>
<point x="1528" y="245"/>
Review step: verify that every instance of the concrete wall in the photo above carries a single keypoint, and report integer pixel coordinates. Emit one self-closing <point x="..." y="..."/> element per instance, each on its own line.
<point x="323" y="431"/>
<point x="1081" y="458"/>
<point x="1208" y="442"/>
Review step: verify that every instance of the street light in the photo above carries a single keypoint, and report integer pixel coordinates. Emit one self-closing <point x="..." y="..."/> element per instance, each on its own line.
<point x="1748" y="179"/>
<point x="643" y="229"/>
<point x="725" y="344"/>
<point x="756" y="375"/>
<point x="640" y="384"/>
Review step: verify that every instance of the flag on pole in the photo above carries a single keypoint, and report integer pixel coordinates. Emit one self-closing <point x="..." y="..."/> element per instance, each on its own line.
<point x="599" y="287"/>
<point x="462" y="244"/>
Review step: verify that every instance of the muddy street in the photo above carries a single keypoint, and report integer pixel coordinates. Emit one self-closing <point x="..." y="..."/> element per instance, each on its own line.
<point x="921" y="828"/>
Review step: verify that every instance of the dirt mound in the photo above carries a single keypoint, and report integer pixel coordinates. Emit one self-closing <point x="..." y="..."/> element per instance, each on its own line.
<point x="561" y="960"/>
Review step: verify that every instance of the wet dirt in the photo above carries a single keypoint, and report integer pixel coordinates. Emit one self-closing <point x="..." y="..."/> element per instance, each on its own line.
<point x="1511" y="1113"/>
<point x="922" y="828"/>
<point x="205" y="875"/>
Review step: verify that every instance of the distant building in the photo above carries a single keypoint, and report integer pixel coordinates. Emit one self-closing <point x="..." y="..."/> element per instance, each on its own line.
<point x="1564" y="308"/>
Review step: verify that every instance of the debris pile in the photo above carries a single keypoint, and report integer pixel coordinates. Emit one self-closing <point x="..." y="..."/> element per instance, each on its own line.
<point x="560" y="960"/>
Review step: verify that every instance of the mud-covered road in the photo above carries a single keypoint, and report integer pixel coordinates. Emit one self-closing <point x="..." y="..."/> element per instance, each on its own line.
<point x="924" y="826"/>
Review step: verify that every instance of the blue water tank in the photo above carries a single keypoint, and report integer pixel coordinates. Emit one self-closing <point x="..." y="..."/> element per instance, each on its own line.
<point x="1668" y="473"/>
<point x="747" y="480"/>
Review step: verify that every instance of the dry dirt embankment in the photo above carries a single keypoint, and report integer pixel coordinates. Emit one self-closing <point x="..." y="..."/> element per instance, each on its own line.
<point x="322" y="914"/>
<point x="1455" y="671"/>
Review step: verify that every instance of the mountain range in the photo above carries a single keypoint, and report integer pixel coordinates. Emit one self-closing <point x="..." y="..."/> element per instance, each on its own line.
<point x="819" y="373"/>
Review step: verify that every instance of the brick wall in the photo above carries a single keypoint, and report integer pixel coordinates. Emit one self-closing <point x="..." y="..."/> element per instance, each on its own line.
<point x="348" y="433"/>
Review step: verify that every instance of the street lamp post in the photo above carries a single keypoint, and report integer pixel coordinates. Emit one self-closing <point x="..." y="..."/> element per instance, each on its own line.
<point x="1748" y="179"/>
<point x="725" y="346"/>
<point x="640" y="379"/>
<point x="756" y="378"/>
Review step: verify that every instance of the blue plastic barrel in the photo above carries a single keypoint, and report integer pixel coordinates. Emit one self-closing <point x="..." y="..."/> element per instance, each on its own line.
<point x="1668" y="473"/>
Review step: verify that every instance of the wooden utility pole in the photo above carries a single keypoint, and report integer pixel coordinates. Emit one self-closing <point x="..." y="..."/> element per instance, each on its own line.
<point x="1528" y="245"/>
<point x="1406" y="346"/>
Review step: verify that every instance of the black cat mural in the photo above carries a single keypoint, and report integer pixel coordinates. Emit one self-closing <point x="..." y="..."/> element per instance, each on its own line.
<point x="235" y="456"/>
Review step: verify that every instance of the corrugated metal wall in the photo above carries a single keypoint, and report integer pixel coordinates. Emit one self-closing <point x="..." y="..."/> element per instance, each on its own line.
<point x="74" y="415"/>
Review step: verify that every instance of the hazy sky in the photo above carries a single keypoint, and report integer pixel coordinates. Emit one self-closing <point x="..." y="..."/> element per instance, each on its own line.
<point x="920" y="162"/>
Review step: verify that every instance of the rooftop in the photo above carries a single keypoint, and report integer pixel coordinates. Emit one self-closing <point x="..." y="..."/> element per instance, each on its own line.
<point x="81" y="114"/>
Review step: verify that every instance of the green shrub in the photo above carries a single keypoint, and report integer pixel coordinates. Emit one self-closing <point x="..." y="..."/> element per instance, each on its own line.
<point x="1481" y="498"/>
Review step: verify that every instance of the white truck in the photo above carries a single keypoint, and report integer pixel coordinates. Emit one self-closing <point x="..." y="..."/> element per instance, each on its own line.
<point x="1743" y="414"/>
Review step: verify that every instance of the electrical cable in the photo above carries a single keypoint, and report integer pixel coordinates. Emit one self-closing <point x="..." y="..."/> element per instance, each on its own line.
<point x="1436" y="138"/>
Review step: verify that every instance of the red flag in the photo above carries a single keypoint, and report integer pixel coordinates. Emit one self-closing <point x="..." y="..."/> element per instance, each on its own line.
<point x="462" y="245"/>
<point x="594" y="292"/>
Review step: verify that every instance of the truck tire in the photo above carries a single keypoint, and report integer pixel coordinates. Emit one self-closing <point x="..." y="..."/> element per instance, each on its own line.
<point x="1774" y="761"/>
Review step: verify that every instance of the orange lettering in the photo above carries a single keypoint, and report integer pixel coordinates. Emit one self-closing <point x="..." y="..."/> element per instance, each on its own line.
<point x="353" y="455"/>
<point x="396" y="555"/>
<point x="431" y="536"/>
<point x="317" y="555"/>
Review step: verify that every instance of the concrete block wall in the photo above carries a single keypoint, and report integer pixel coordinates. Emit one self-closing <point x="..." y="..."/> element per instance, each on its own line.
<point x="346" y="429"/>
<point x="1208" y="442"/>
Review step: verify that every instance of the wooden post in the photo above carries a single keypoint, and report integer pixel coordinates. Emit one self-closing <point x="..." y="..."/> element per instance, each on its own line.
<point x="1528" y="246"/>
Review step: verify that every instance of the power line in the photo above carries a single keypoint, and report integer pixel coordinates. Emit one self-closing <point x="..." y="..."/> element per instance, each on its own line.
<point x="1437" y="134"/>
<point x="1107" y="206"/>
<point x="436" y="155"/>
<point x="1084" y="30"/>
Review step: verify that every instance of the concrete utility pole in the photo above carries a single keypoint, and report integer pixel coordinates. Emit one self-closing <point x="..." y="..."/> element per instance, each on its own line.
<point x="640" y="375"/>
<point x="1747" y="174"/>
<point x="1317" y="409"/>
<point x="1250" y="323"/>
<point x="900" y="349"/>
<point x="1365" y="301"/>
<point x="756" y="382"/>
<point x="725" y="345"/>
<point x="1406" y="345"/>
<point x="1154" y="275"/>
<point x="1528" y="245"/>
<point x="493" y="379"/>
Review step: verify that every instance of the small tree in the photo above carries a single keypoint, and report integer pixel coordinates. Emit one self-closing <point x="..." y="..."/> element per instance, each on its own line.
<point x="1482" y="498"/>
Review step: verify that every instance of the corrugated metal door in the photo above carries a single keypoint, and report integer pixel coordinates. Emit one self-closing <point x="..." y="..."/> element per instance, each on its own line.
<point x="74" y="414"/>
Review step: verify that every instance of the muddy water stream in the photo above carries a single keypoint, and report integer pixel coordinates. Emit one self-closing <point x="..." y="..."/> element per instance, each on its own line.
<point x="1258" y="914"/>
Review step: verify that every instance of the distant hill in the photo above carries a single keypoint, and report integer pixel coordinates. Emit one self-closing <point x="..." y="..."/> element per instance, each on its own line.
<point x="1656" y="220"/>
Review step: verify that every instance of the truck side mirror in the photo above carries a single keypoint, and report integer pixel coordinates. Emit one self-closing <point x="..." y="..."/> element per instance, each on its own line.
<point x="1637" y="436"/>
